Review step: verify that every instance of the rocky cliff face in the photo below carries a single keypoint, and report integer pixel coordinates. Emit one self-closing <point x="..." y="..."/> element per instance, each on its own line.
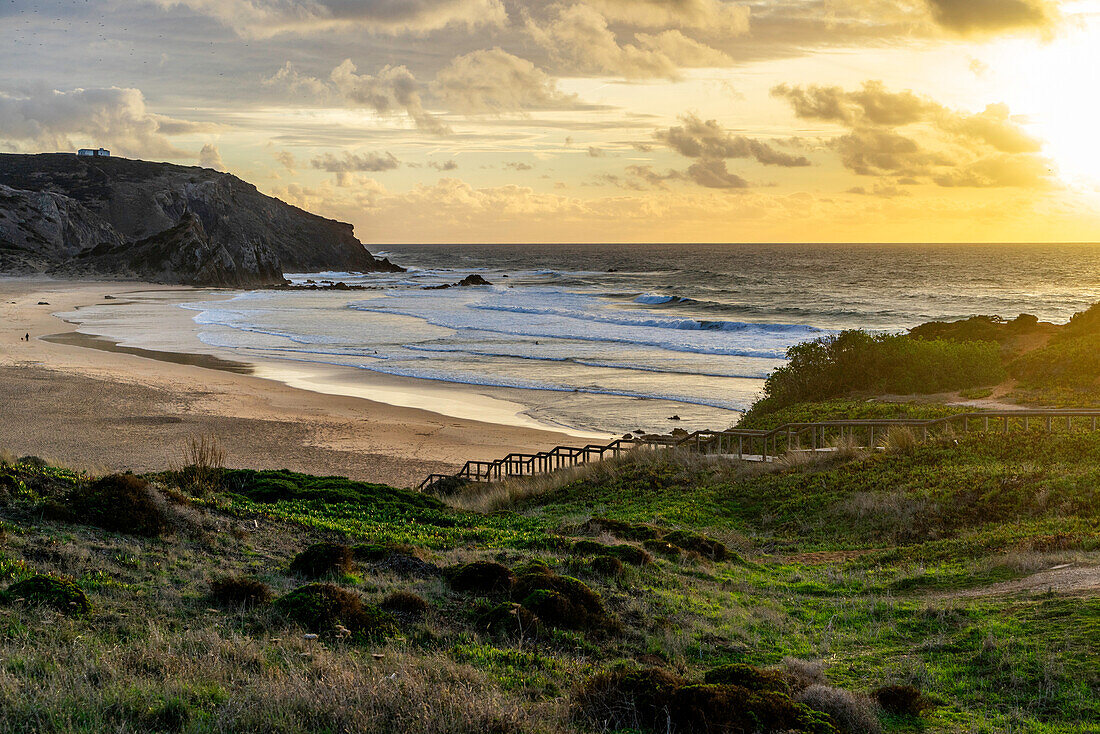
<point x="71" y="215"/>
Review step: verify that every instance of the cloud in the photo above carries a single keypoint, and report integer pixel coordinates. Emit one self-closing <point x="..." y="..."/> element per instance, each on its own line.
<point x="296" y="83"/>
<point x="712" y="173"/>
<point x="904" y="134"/>
<point x="288" y="160"/>
<point x="368" y="162"/>
<point x="518" y="166"/>
<point x="211" y="157"/>
<point x="699" y="139"/>
<point x="579" y="38"/>
<point x="444" y="165"/>
<point x="712" y="15"/>
<point x="972" y="17"/>
<point x="392" y="89"/>
<point x="495" y="81"/>
<point x="266" y="18"/>
<point x="112" y="117"/>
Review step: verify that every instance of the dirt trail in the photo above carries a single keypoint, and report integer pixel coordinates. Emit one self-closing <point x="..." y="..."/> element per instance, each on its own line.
<point x="1067" y="579"/>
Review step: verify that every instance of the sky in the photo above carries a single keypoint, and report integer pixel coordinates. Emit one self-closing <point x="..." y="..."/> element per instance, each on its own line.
<point x="519" y="121"/>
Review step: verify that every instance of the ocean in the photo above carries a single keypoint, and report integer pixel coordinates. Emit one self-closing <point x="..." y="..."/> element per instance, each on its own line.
<point x="614" y="338"/>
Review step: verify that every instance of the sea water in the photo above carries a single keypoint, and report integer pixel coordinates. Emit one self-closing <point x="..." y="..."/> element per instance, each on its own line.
<point x="614" y="338"/>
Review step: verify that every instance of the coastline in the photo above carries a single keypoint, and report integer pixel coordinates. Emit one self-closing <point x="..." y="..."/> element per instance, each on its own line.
<point x="115" y="408"/>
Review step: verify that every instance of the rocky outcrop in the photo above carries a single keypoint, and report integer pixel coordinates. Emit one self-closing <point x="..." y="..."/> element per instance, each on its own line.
<point x="72" y="215"/>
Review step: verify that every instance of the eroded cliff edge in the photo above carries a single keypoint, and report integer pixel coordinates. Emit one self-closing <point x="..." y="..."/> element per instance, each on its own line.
<point x="69" y="215"/>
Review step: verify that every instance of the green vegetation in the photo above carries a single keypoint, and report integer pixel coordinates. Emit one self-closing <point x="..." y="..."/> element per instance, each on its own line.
<point x="858" y="362"/>
<point x="902" y="591"/>
<point x="57" y="593"/>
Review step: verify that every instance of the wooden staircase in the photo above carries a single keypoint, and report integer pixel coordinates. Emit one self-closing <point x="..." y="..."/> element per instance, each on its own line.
<point x="766" y="445"/>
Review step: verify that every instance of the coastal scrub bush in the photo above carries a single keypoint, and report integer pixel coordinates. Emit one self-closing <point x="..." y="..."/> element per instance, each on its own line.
<point x="606" y="566"/>
<point x="901" y="700"/>
<point x="850" y="712"/>
<point x="511" y="620"/>
<point x="240" y="591"/>
<point x="281" y="484"/>
<point x="620" y="529"/>
<point x="721" y="709"/>
<point x="625" y="553"/>
<point x="658" y="700"/>
<point x="203" y="466"/>
<point x="857" y="362"/>
<point x="49" y="591"/>
<point x="662" y="547"/>
<point x="121" y="503"/>
<point x="748" y="676"/>
<point x="322" y="559"/>
<point x="561" y="601"/>
<point x="397" y="559"/>
<point x="405" y="605"/>
<point x="627" y="699"/>
<point x="701" y="544"/>
<point x="480" y="577"/>
<point x="323" y="607"/>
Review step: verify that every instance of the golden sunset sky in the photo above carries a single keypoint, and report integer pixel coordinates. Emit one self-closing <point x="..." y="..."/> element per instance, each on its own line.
<point x="591" y="120"/>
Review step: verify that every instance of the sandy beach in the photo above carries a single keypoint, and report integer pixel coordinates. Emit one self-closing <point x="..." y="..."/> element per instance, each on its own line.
<point x="108" y="409"/>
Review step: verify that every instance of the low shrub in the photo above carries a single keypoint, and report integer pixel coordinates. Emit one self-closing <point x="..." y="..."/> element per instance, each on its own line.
<point x="657" y="700"/>
<point x="662" y="547"/>
<point x="276" y="485"/>
<point x="626" y="553"/>
<point x="750" y="677"/>
<point x="480" y="577"/>
<point x="398" y="559"/>
<point x="121" y="503"/>
<point x="561" y="601"/>
<point x="850" y="712"/>
<point x="855" y="361"/>
<point x="322" y="607"/>
<point x="405" y="604"/>
<point x="901" y="700"/>
<point x="802" y="674"/>
<point x="701" y="544"/>
<point x="240" y="591"/>
<point x="49" y="591"/>
<point x="726" y="709"/>
<point x="510" y="620"/>
<point x="620" y="529"/>
<point x="321" y="560"/>
<point x="627" y="699"/>
<point x="606" y="566"/>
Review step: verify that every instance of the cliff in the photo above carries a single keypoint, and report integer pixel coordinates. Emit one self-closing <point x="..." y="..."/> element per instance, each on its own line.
<point x="70" y="215"/>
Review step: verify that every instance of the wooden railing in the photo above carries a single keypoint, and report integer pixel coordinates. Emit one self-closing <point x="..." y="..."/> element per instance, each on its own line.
<point x="765" y="445"/>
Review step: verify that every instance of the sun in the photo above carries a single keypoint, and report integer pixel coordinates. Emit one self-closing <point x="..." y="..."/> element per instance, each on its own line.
<point x="1052" y="86"/>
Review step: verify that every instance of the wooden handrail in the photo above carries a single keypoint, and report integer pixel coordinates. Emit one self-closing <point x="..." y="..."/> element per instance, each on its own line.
<point x="542" y="462"/>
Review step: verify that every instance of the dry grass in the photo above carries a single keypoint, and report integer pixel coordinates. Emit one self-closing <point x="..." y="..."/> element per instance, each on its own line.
<point x="168" y="680"/>
<point x="202" y="465"/>
<point x="489" y="497"/>
<point x="900" y="440"/>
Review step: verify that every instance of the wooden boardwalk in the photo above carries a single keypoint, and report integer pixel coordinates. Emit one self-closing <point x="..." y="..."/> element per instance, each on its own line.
<point x="765" y="445"/>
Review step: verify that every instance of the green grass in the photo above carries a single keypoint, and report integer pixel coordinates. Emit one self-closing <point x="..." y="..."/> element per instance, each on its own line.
<point x="875" y="565"/>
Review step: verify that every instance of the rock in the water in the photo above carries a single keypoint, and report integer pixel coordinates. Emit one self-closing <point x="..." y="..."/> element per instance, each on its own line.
<point x="473" y="279"/>
<point x="73" y="215"/>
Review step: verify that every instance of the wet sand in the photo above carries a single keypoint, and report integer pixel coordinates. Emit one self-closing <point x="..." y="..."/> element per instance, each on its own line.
<point x="93" y="403"/>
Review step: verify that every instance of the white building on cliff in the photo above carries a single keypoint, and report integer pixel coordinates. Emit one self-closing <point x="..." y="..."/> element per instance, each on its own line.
<point x="100" y="152"/>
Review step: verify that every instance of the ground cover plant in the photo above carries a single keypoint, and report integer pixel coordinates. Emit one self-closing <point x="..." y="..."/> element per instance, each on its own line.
<point x="903" y="591"/>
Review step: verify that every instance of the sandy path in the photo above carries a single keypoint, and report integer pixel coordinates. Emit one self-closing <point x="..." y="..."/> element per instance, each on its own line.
<point x="116" y="411"/>
<point x="1069" y="579"/>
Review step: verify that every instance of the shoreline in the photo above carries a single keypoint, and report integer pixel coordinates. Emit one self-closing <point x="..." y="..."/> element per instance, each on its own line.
<point x="125" y="410"/>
